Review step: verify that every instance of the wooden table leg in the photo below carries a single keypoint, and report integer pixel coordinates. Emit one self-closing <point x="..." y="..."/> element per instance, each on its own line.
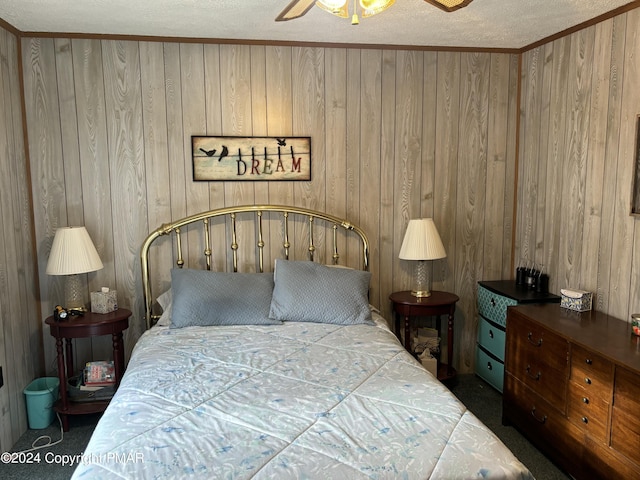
<point x="450" y="342"/>
<point x="118" y="355"/>
<point x="69" y="357"/>
<point x="407" y="333"/>
<point x="63" y="384"/>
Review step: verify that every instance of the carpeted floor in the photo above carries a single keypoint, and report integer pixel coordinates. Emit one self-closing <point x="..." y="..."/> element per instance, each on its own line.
<point x="486" y="403"/>
<point x="47" y="463"/>
<point x="480" y="398"/>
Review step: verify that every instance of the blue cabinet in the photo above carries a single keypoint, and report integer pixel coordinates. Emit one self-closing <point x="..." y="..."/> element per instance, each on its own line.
<point x="494" y="297"/>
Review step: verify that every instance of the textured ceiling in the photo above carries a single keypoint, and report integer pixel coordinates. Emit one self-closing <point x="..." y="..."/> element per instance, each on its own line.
<point x="509" y="24"/>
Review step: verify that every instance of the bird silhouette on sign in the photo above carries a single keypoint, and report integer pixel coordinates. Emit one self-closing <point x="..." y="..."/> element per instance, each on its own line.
<point x="223" y="153"/>
<point x="209" y="153"/>
<point x="282" y="142"/>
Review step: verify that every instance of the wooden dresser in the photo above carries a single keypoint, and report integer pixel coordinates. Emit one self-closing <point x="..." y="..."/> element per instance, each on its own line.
<point x="572" y="386"/>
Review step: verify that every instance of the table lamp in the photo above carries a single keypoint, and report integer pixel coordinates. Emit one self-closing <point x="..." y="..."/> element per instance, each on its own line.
<point x="421" y="243"/>
<point x="73" y="253"/>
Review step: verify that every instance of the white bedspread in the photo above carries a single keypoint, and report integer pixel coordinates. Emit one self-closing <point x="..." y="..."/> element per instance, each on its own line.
<point x="301" y="400"/>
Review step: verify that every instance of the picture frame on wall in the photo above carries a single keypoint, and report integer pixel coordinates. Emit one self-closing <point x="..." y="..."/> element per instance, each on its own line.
<point x="635" y="192"/>
<point x="251" y="158"/>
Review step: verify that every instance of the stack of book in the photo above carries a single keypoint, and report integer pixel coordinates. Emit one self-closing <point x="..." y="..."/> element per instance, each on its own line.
<point x="96" y="382"/>
<point x="98" y="375"/>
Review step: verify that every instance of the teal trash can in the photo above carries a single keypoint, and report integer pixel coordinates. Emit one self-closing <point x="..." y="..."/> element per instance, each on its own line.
<point x="41" y="394"/>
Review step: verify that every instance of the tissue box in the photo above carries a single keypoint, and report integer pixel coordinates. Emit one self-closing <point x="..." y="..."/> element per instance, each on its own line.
<point x="430" y="364"/>
<point x="577" y="300"/>
<point x="104" y="301"/>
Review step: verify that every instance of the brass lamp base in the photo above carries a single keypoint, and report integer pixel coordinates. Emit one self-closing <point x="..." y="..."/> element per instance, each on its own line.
<point x="421" y="293"/>
<point x="78" y="311"/>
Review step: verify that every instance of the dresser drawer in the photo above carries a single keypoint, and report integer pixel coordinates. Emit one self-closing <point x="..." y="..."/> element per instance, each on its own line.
<point x="491" y="338"/>
<point x="532" y="371"/>
<point x="531" y="413"/>
<point x="489" y="369"/>
<point x="588" y="409"/>
<point x="493" y="306"/>
<point x="625" y="433"/>
<point x="590" y="368"/>
<point x="590" y="391"/>
<point x="532" y="343"/>
<point x="626" y="395"/>
<point x="539" y="359"/>
<point x="625" y="423"/>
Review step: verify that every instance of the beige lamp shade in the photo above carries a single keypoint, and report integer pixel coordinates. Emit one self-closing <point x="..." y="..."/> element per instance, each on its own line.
<point x="72" y="252"/>
<point x="422" y="241"/>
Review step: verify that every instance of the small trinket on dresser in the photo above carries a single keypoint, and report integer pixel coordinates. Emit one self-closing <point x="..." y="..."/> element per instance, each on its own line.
<point x="635" y="323"/>
<point x="578" y="300"/>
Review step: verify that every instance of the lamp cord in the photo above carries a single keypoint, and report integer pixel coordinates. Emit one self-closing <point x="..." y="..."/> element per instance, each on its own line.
<point x="49" y="443"/>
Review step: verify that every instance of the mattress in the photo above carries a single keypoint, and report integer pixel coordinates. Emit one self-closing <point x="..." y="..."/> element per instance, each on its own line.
<point x="297" y="400"/>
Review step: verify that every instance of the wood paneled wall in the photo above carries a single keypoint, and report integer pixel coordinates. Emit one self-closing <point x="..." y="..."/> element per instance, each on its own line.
<point x="580" y="102"/>
<point x="395" y="135"/>
<point x="20" y="332"/>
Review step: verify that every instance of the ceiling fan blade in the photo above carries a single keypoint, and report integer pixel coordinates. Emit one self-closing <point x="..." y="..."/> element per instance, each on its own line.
<point x="295" y="9"/>
<point x="449" y="5"/>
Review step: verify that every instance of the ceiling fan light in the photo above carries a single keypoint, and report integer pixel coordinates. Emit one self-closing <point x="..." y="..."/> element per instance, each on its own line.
<point x="449" y="5"/>
<point x="336" y="7"/>
<point x="372" y="7"/>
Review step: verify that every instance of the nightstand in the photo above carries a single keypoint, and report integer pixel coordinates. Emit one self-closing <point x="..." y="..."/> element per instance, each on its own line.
<point x="407" y="306"/>
<point x="88" y="325"/>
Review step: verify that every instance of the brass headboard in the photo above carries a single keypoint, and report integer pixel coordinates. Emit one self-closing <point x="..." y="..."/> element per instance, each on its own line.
<point x="287" y="215"/>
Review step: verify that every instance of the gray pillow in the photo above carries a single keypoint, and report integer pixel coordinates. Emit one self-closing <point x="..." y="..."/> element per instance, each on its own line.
<point x="311" y="292"/>
<point x="164" y="301"/>
<point x="204" y="298"/>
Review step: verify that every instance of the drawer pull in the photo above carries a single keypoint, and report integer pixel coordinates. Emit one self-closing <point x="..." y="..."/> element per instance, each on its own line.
<point x="587" y="380"/>
<point x="585" y="400"/>
<point x="490" y="333"/>
<point x="585" y="420"/>
<point x="589" y="361"/>
<point x="532" y="342"/>
<point x="533" y="414"/>
<point x="493" y="302"/>
<point x="489" y="366"/>
<point x="536" y="377"/>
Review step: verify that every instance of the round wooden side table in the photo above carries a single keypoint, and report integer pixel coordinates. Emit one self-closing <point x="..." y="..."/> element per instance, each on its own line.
<point x="407" y="307"/>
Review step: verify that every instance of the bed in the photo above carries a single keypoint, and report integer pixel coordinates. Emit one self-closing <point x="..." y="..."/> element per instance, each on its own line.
<point x="281" y="372"/>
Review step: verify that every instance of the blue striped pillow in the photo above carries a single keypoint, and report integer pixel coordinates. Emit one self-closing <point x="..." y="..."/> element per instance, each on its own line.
<point x="310" y="292"/>
<point x="205" y="298"/>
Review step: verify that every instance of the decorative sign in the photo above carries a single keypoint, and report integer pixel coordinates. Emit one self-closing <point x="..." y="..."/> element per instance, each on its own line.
<point x="251" y="158"/>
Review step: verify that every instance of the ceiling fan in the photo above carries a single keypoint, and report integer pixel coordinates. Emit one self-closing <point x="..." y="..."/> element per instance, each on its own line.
<point x="297" y="8"/>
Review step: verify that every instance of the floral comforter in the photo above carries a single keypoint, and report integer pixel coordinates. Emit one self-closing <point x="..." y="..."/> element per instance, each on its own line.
<point x="299" y="400"/>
